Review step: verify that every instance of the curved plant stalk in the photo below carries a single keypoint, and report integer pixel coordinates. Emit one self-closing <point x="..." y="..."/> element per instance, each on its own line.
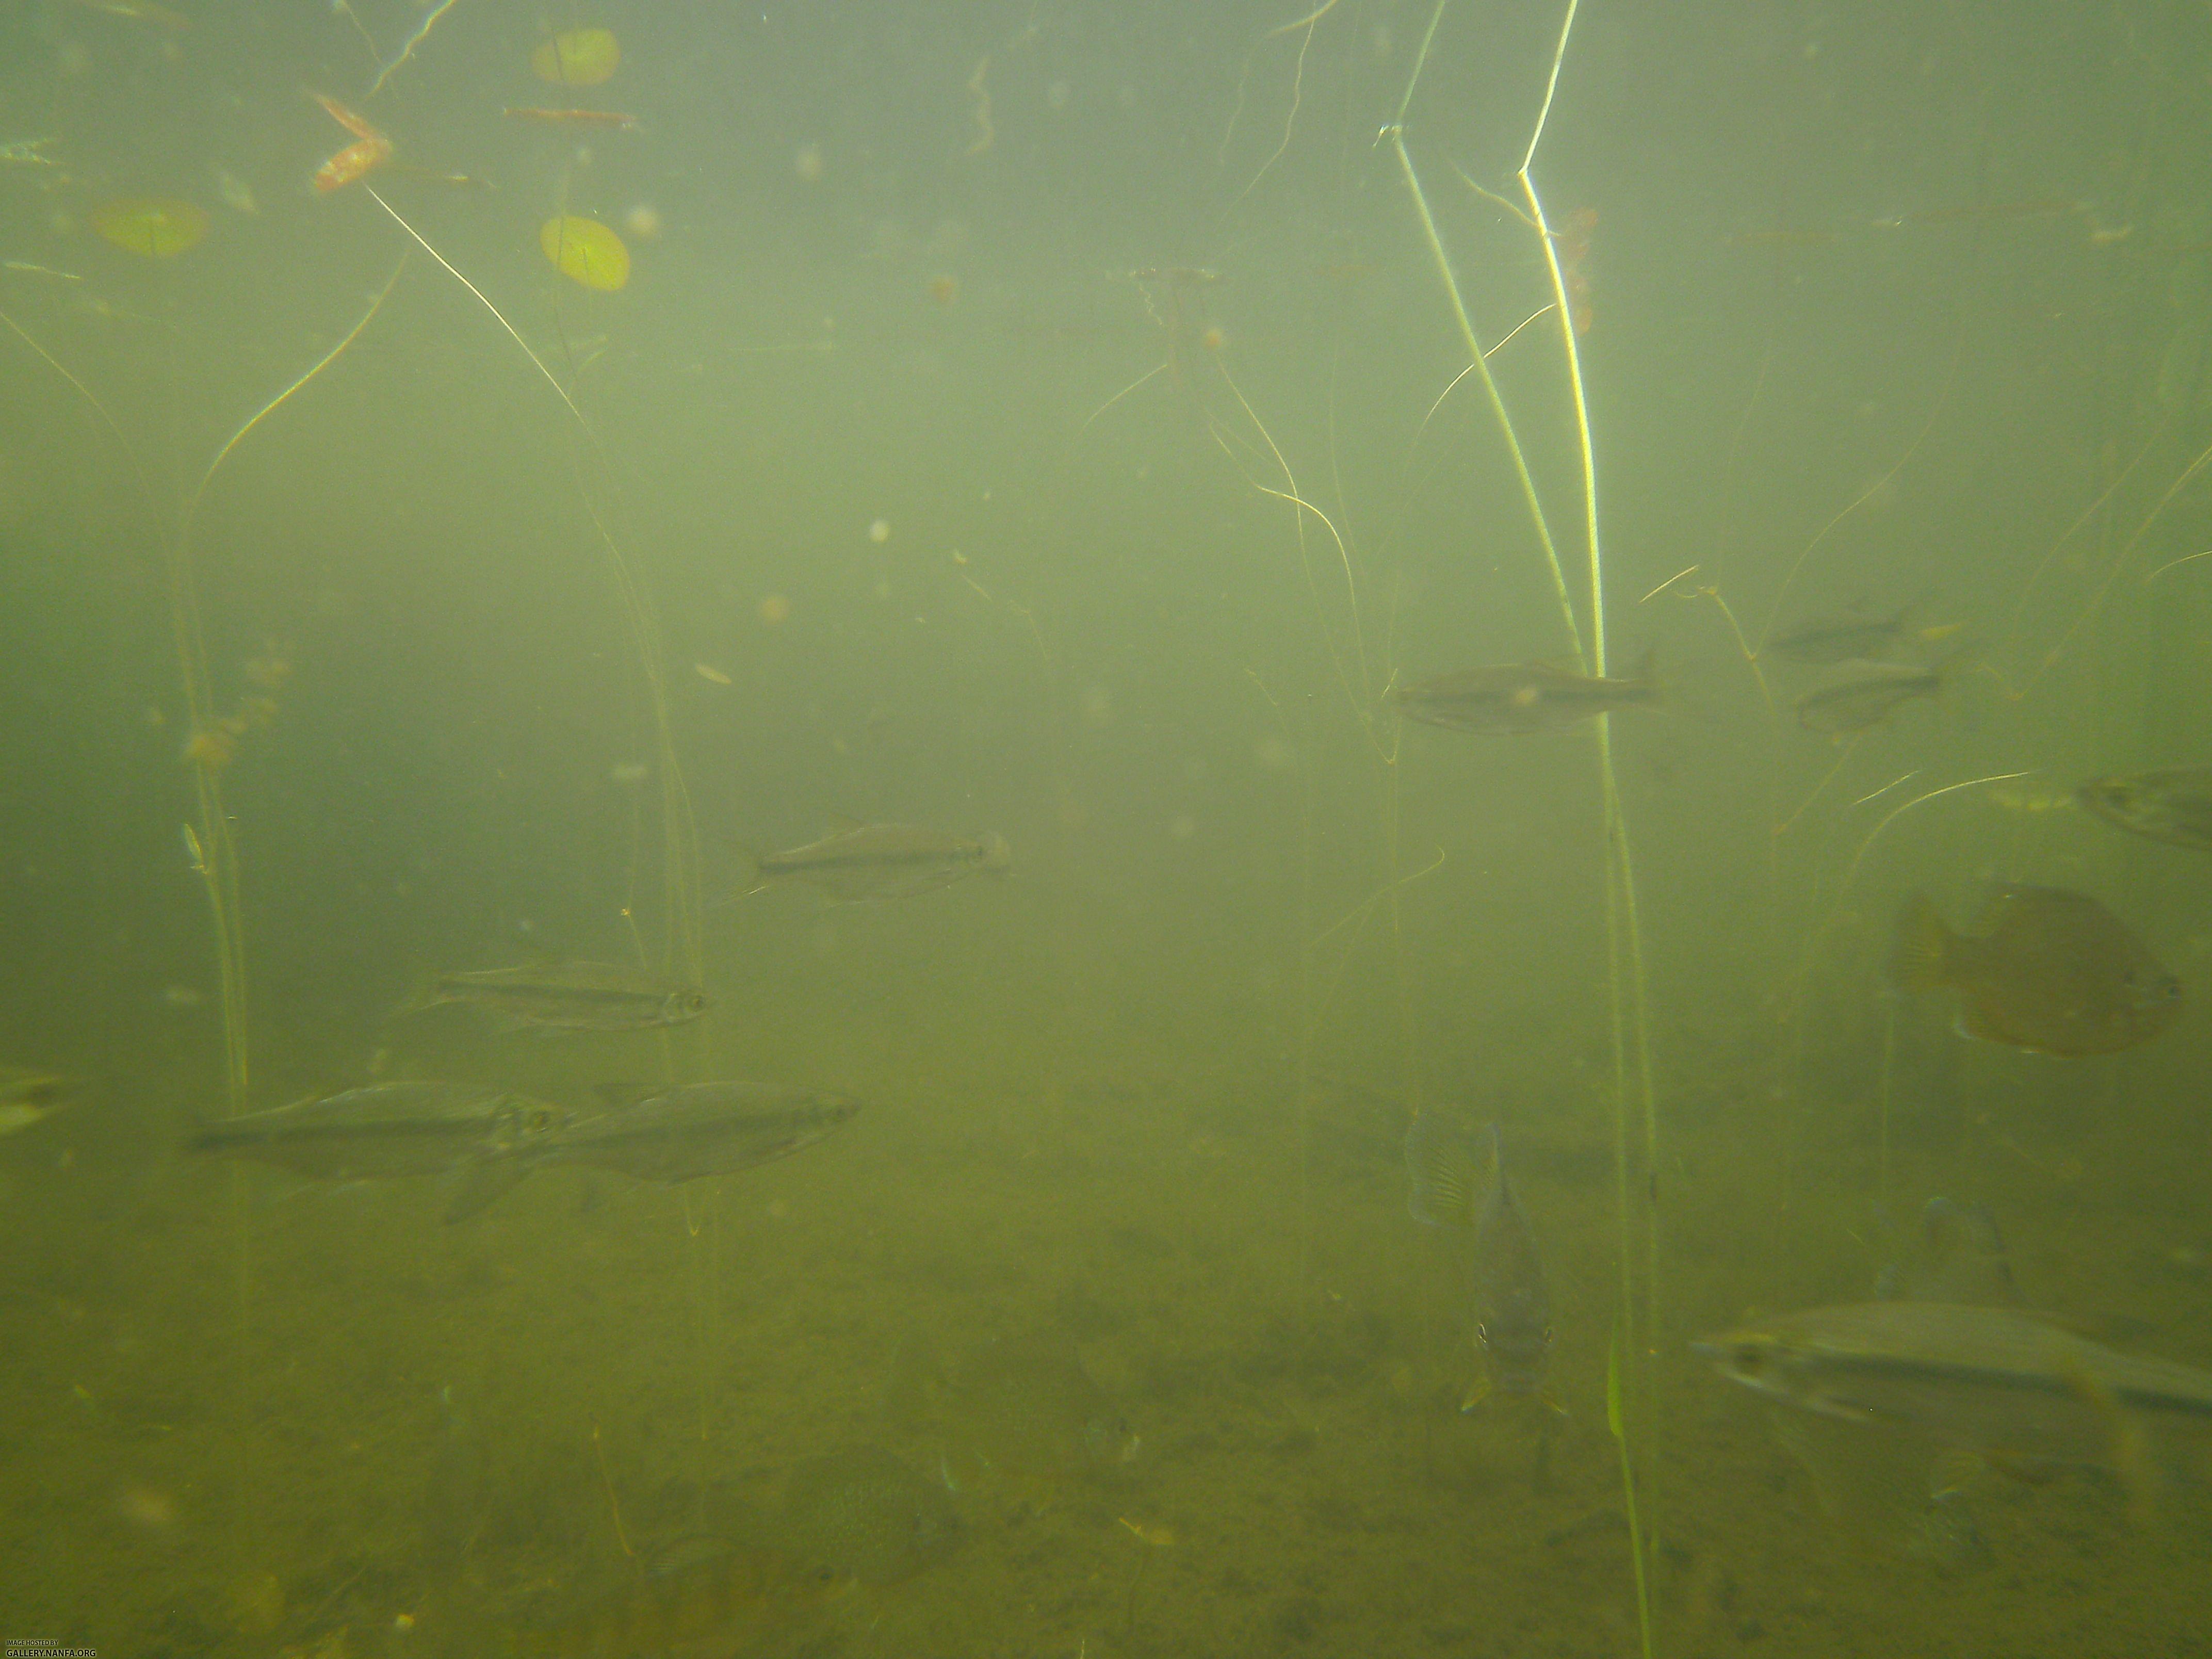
<point x="1627" y="996"/>
<point x="684" y="942"/>
<point x="214" y="848"/>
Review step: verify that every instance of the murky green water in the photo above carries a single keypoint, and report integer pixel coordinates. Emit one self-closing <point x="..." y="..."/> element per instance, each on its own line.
<point x="1048" y="420"/>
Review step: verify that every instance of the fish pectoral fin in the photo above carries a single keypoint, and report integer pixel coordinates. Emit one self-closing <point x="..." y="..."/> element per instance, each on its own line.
<point x="2026" y="1468"/>
<point x="1477" y="1392"/>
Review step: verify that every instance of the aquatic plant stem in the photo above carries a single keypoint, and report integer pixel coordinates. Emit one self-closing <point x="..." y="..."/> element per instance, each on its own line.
<point x="1624" y="924"/>
<point x="1480" y="368"/>
<point x="217" y="845"/>
<point x="684" y="931"/>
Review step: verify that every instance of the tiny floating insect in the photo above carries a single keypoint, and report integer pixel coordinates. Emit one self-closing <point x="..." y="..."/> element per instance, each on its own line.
<point x="605" y="120"/>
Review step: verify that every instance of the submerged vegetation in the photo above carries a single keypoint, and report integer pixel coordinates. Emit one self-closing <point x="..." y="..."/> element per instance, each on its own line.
<point x="1126" y="430"/>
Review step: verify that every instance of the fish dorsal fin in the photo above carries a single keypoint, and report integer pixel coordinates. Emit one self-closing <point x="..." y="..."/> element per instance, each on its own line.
<point x="844" y="822"/>
<point x="616" y="1095"/>
<point x="1960" y="1258"/>
<point x="1967" y="1257"/>
<point x="1440" y="1172"/>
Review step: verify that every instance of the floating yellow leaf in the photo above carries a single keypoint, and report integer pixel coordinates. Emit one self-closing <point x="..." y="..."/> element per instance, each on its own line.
<point x="587" y="251"/>
<point x="156" y="228"/>
<point x="577" y="58"/>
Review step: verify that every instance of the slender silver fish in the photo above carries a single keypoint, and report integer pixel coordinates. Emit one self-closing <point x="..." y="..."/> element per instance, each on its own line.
<point x="383" y="1130"/>
<point x="2174" y="804"/>
<point x="1527" y="696"/>
<point x="883" y="861"/>
<point x="2003" y="1382"/>
<point x="699" y="1129"/>
<point x="681" y="1133"/>
<point x="1839" y="638"/>
<point x="1864" y="693"/>
<point x="573" y="996"/>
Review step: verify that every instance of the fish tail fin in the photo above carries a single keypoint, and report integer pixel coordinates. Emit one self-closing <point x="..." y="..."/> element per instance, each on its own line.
<point x="2127" y="1442"/>
<point x="1947" y="667"/>
<point x="425" y="992"/>
<point x="1922" y="958"/>
<point x="1440" y="1180"/>
<point x="482" y="1183"/>
<point x="210" y="1137"/>
<point x="752" y="877"/>
<point x="1648" y="675"/>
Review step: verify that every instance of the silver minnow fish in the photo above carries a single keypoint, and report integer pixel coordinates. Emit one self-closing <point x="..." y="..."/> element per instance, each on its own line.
<point x="680" y="1134"/>
<point x="383" y="1131"/>
<point x="2004" y="1381"/>
<point x="2174" y="804"/>
<point x="703" y="1129"/>
<point x="575" y="996"/>
<point x="1864" y="693"/>
<point x="1528" y="696"/>
<point x="883" y="861"/>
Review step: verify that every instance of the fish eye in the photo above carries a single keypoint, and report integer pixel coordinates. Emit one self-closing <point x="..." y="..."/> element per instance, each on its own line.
<point x="1748" y="1359"/>
<point x="1482" y="1334"/>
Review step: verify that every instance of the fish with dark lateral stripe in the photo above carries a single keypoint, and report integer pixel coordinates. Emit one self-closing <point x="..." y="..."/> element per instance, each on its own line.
<point x="1521" y="697"/>
<point x="2000" y="1380"/>
<point x="679" y="1134"/>
<point x="2173" y="804"/>
<point x="383" y="1131"/>
<point x="572" y="996"/>
<point x="883" y="861"/>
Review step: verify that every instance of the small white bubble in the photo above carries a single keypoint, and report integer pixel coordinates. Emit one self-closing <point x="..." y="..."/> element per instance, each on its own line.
<point x="880" y="531"/>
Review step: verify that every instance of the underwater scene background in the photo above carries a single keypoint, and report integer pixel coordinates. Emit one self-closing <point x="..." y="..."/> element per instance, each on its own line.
<point x="1478" y="558"/>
